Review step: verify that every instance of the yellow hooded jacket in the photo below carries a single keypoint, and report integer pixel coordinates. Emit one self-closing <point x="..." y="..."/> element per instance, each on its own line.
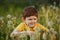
<point x="24" y="27"/>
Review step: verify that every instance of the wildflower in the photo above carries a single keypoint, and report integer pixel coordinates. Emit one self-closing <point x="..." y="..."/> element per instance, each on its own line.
<point x="50" y="23"/>
<point x="37" y="29"/>
<point x="1" y="18"/>
<point x="1" y="21"/>
<point x="53" y="34"/>
<point x="59" y="5"/>
<point x="51" y="30"/>
<point x="54" y="3"/>
<point x="31" y="34"/>
<point x="43" y="9"/>
<point x="44" y="36"/>
<point x="54" y="7"/>
<point x="37" y="33"/>
<point x="9" y="16"/>
<point x="14" y="18"/>
<point x="9" y="22"/>
<point x="23" y="34"/>
<point x="51" y="6"/>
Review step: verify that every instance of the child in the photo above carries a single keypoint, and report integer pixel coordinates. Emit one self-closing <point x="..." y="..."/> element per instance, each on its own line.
<point x="29" y="17"/>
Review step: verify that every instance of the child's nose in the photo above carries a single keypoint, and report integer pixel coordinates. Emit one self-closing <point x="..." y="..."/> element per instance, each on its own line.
<point x="33" y="20"/>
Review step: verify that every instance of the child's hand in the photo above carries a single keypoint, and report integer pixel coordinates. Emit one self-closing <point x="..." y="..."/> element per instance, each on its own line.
<point x="30" y="33"/>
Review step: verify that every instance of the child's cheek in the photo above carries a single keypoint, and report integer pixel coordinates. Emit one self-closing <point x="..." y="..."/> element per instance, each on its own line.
<point x="27" y="21"/>
<point x="35" y="20"/>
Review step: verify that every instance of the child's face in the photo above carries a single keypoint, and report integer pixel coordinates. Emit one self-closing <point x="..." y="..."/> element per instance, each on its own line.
<point x="30" y="21"/>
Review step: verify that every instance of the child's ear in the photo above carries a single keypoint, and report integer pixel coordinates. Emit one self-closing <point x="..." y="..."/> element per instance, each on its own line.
<point x="23" y="19"/>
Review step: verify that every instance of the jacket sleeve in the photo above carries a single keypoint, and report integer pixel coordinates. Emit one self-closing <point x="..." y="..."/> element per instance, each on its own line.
<point x="20" y="27"/>
<point x="43" y="28"/>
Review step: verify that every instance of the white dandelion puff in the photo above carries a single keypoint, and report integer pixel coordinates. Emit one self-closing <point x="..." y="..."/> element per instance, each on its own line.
<point x="1" y="18"/>
<point x="55" y="32"/>
<point x="52" y="29"/>
<point x="50" y="23"/>
<point x="51" y="6"/>
<point x="38" y="29"/>
<point x="54" y="7"/>
<point x="43" y="9"/>
<point x="9" y="22"/>
<point x="13" y="18"/>
<point x="9" y="16"/>
<point x="44" y="36"/>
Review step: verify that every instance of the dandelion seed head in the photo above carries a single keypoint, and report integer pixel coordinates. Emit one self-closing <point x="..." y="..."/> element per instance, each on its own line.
<point x="23" y="34"/>
<point x="9" y="22"/>
<point x="50" y="23"/>
<point x="44" y="36"/>
<point x="37" y="29"/>
<point x="51" y="6"/>
<point x="52" y="30"/>
<point x="54" y="3"/>
<point x="55" y="32"/>
<point x="9" y="16"/>
<point x="2" y="21"/>
<point x="1" y="18"/>
<point x="59" y="5"/>
<point x="54" y="7"/>
<point x="14" y="18"/>
<point x="43" y="9"/>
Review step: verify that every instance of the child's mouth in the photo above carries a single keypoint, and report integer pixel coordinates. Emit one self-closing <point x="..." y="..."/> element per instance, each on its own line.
<point x="31" y="25"/>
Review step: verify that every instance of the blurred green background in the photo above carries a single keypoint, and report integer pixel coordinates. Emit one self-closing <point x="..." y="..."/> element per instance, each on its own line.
<point x="11" y="13"/>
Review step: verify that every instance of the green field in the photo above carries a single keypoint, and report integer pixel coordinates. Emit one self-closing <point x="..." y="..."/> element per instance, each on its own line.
<point x="11" y="16"/>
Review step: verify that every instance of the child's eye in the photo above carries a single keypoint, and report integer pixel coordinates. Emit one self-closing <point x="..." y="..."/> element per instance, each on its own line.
<point x="29" y="19"/>
<point x="34" y="18"/>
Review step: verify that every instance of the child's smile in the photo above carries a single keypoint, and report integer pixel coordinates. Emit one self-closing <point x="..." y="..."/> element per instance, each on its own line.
<point x="30" y="21"/>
